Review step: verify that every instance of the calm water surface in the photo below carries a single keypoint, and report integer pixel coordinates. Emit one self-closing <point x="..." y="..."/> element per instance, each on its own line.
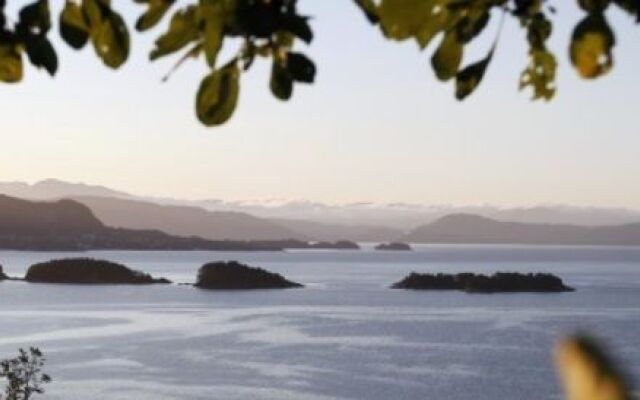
<point x="345" y="336"/>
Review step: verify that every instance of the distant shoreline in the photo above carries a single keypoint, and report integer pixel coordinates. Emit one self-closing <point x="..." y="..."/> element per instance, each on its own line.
<point x="364" y="247"/>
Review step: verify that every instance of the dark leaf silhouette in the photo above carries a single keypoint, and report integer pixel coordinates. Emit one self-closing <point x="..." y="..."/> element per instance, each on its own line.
<point x="369" y="8"/>
<point x="469" y="78"/>
<point x="42" y="54"/>
<point x="281" y="83"/>
<point x="299" y="26"/>
<point x="73" y="27"/>
<point x="300" y="68"/>
<point x="446" y="60"/>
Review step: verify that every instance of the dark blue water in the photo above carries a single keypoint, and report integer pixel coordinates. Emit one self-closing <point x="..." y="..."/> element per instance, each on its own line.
<point x="346" y="335"/>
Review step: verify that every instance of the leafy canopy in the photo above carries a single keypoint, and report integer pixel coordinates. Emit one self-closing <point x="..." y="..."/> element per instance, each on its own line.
<point x="269" y="28"/>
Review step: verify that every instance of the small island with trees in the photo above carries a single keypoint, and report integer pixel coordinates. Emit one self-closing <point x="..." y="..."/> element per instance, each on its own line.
<point x="396" y="246"/>
<point x="3" y="276"/>
<point x="500" y="282"/>
<point x="232" y="275"/>
<point x="87" y="271"/>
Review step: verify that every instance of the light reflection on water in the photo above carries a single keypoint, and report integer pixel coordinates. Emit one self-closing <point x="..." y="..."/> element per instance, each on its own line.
<point x="344" y="336"/>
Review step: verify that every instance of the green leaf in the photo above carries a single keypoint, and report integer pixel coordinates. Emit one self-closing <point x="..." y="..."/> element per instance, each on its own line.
<point x="211" y="15"/>
<point x="540" y="74"/>
<point x="470" y="77"/>
<point x="433" y="25"/>
<point x="300" y="68"/>
<point x="111" y="40"/>
<point x="403" y="19"/>
<point x="218" y="95"/>
<point x="94" y="12"/>
<point x="281" y="83"/>
<point x="418" y="19"/>
<point x="41" y="53"/>
<point x="156" y="10"/>
<point x="446" y="60"/>
<point x="73" y="27"/>
<point x="591" y="46"/>
<point x="183" y="29"/>
<point x="11" y="69"/>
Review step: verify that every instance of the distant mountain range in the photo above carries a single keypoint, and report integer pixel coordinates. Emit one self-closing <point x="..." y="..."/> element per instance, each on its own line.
<point x="55" y="189"/>
<point x="404" y="216"/>
<point x="304" y="220"/>
<point x="472" y="229"/>
<point x="191" y="218"/>
<point x="185" y="220"/>
<point x="71" y="225"/>
<point x="68" y="225"/>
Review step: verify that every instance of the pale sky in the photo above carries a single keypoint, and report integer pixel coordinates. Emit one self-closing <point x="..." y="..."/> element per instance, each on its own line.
<point x="376" y="125"/>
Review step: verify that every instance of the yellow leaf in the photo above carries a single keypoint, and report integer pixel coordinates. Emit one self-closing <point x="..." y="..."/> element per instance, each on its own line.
<point x="591" y="46"/>
<point x="587" y="373"/>
<point x="591" y="55"/>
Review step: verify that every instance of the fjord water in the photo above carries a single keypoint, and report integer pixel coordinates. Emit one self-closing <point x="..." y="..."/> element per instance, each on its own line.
<point x="346" y="335"/>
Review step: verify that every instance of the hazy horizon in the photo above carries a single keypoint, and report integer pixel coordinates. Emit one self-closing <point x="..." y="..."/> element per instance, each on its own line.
<point x="280" y="201"/>
<point x="376" y="126"/>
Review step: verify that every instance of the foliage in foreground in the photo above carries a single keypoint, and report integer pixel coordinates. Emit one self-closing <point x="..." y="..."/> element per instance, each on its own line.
<point x="269" y="28"/>
<point x="587" y="372"/>
<point x="24" y="375"/>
